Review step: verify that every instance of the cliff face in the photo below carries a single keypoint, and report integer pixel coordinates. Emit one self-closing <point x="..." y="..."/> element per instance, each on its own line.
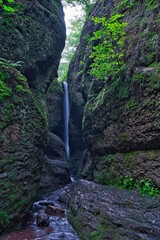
<point x="121" y="123"/>
<point x="35" y="35"/>
<point x="22" y="128"/>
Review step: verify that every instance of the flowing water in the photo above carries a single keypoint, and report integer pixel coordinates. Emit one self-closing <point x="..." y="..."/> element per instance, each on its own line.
<point x="59" y="228"/>
<point x="66" y="117"/>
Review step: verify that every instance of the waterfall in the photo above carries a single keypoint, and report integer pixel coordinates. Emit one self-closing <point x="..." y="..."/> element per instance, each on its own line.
<point x="66" y="117"/>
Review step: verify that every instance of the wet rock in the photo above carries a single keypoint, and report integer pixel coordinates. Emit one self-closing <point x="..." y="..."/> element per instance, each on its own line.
<point x="42" y="220"/>
<point x="56" y="169"/>
<point x="46" y="203"/>
<point x="52" y="210"/>
<point x="111" y="213"/>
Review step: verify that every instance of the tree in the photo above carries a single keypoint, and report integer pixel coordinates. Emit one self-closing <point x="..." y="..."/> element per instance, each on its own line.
<point x="72" y="42"/>
<point x="108" y="53"/>
<point x="86" y="4"/>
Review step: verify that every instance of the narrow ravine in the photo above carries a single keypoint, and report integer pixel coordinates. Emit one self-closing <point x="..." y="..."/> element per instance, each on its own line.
<point x="59" y="227"/>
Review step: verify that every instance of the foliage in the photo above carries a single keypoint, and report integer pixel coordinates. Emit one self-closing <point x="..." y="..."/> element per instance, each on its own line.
<point x="125" y="4"/>
<point x="10" y="63"/>
<point x="72" y="42"/>
<point x="4" y="221"/>
<point x="86" y="4"/>
<point x="4" y="90"/>
<point x="108" y="53"/>
<point x="152" y="5"/>
<point x="73" y="38"/>
<point x="145" y="186"/>
<point x="6" y="7"/>
<point x="94" y="234"/>
<point x="63" y="71"/>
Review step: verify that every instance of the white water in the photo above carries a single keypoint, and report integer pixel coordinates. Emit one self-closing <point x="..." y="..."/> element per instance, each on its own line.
<point x="66" y="117"/>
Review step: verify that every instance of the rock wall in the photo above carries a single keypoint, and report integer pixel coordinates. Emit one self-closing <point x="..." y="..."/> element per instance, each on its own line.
<point x="121" y="123"/>
<point x="34" y="34"/>
<point x="22" y="139"/>
<point x="56" y="168"/>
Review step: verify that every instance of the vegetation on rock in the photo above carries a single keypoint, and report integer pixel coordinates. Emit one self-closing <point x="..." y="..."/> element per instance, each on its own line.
<point x="107" y="56"/>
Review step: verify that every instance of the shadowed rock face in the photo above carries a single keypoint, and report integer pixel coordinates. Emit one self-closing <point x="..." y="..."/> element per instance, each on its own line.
<point x="56" y="169"/>
<point x="35" y="34"/>
<point x="54" y="102"/>
<point x="121" y="114"/>
<point x="111" y="213"/>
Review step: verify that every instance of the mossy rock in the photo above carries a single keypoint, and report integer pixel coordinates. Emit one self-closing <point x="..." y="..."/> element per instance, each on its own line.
<point x="22" y="135"/>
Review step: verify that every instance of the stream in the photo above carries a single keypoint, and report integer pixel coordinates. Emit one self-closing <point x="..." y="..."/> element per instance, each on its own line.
<point x="59" y="227"/>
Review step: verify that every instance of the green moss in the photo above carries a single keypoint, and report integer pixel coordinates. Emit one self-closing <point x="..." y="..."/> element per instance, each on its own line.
<point x="5" y="91"/>
<point x="131" y="105"/>
<point x="125" y="4"/>
<point x="54" y="86"/>
<point x="43" y="115"/>
<point x="123" y="137"/>
<point x="152" y="5"/>
<point x="4" y="221"/>
<point x="150" y="58"/>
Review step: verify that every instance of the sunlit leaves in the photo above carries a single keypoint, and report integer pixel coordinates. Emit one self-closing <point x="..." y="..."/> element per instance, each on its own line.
<point x="107" y="55"/>
<point x="6" y="7"/>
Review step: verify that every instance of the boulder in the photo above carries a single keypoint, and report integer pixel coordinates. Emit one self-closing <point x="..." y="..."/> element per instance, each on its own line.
<point x="42" y="220"/>
<point x="52" y="210"/>
<point x="105" y="212"/>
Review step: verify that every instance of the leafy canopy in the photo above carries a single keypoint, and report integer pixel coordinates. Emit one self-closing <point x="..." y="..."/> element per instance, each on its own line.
<point x="108" y="53"/>
<point x="6" y="7"/>
<point x="86" y="4"/>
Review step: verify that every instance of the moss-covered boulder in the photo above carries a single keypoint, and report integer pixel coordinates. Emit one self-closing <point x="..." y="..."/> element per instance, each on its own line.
<point x="22" y="131"/>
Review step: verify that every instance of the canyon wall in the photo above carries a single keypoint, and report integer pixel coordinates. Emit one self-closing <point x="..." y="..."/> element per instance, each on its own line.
<point x="32" y="39"/>
<point x="121" y="124"/>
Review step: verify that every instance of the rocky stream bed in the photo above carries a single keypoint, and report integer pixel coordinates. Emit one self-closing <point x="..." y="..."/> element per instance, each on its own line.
<point x="97" y="212"/>
<point x="59" y="228"/>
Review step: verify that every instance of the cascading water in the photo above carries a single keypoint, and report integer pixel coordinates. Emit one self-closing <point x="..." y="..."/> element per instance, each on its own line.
<point x="66" y="117"/>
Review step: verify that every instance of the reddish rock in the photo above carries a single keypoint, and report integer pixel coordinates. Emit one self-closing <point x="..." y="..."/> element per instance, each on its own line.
<point x="51" y="210"/>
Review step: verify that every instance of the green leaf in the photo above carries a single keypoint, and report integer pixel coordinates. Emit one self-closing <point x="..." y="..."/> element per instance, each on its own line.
<point x="8" y="9"/>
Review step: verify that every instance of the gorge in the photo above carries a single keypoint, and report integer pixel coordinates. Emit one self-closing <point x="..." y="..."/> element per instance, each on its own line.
<point x="112" y="134"/>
